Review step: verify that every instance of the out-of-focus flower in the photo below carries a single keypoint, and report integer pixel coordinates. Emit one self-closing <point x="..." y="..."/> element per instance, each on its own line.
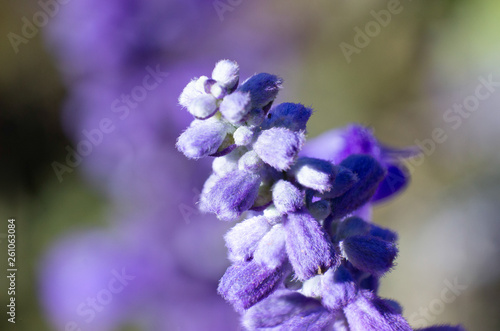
<point x="125" y="63"/>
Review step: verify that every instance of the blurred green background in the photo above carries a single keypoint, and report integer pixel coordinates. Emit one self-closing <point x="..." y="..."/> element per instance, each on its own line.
<point x="429" y="57"/>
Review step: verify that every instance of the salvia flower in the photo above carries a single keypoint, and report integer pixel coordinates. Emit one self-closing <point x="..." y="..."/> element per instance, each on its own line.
<point x="304" y="258"/>
<point x="338" y="144"/>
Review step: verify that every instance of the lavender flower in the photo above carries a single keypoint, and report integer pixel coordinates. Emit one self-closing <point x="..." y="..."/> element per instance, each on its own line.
<point x="305" y="259"/>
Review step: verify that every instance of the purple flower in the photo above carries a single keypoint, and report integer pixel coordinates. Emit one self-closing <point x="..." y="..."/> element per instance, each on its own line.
<point x="394" y="181"/>
<point x="316" y="174"/>
<point x="245" y="284"/>
<point x="370" y="254"/>
<point x="309" y="249"/>
<point x="243" y="136"/>
<point x="369" y="174"/>
<point x="352" y="226"/>
<point x="251" y="162"/>
<point x="244" y="237"/>
<point x="202" y="138"/>
<point x="337" y="145"/>
<point x="293" y="116"/>
<point x="310" y="226"/>
<point x="338" y="288"/>
<point x="288" y="310"/>
<point x="236" y="106"/>
<point x="271" y="250"/>
<point x="226" y="73"/>
<point x="232" y="194"/>
<point x="369" y="312"/>
<point x="344" y="180"/>
<point x="263" y="89"/>
<point x="287" y="198"/>
<point x="203" y="96"/>
<point x="279" y="147"/>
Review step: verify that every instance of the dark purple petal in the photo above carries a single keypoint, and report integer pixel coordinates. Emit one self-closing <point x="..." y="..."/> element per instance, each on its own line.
<point x="344" y="180"/>
<point x="352" y="226"/>
<point x="288" y="310"/>
<point x="309" y="248"/>
<point x="370" y="283"/>
<point x="395" y="306"/>
<point x="245" y="284"/>
<point x="338" y="288"/>
<point x="395" y="181"/>
<point x="370" y="254"/>
<point x="278" y="147"/>
<point x="369" y="173"/>
<point x="391" y="154"/>
<point x="337" y="145"/>
<point x="384" y="234"/>
<point x="293" y="116"/>
<point x="263" y="88"/>
<point x="224" y="150"/>
<point x="320" y="209"/>
<point x="231" y="195"/>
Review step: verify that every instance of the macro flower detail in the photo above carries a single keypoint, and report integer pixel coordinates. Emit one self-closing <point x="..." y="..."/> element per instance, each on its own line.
<point x="305" y="254"/>
<point x="247" y="283"/>
<point x="242" y="240"/>
<point x="278" y="147"/>
<point x="336" y="145"/>
<point x="271" y="250"/>
<point x="202" y="138"/>
<point x="287" y="310"/>
<point x="233" y="194"/>
<point x="308" y="246"/>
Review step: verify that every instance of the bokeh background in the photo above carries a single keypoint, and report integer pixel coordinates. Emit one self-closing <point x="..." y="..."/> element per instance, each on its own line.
<point x="129" y="205"/>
